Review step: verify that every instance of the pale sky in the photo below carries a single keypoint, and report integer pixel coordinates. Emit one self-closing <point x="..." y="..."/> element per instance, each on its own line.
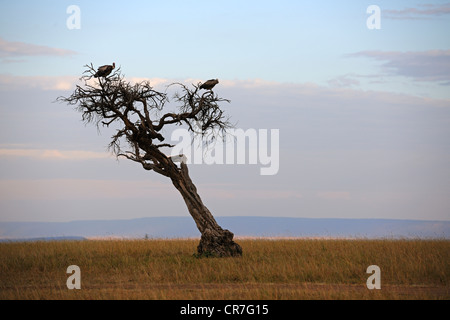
<point x="363" y="115"/>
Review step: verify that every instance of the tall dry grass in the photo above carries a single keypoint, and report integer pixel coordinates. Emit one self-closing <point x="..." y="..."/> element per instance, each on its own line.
<point x="281" y="269"/>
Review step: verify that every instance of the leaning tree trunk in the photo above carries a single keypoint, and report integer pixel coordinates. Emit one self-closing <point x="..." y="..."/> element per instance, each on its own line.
<point x="214" y="240"/>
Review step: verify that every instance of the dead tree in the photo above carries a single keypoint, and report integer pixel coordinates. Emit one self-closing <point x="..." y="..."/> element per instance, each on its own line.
<point x="136" y="112"/>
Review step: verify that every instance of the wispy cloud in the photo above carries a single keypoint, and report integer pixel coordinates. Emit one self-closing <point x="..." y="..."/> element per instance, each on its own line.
<point x="14" y="49"/>
<point x="432" y="65"/>
<point x="344" y="81"/>
<point x="263" y="92"/>
<point x="52" y="154"/>
<point x="66" y="83"/>
<point x="58" y="83"/>
<point x="423" y="11"/>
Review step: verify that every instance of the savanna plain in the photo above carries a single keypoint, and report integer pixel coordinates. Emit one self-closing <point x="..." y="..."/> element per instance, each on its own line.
<point x="269" y="269"/>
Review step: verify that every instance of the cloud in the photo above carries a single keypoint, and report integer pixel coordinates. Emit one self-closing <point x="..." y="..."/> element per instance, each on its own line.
<point x="66" y="83"/>
<point x="13" y="49"/>
<point x="425" y="11"/>
<point x="52" y="154"/>
<point x="58" y="83"/>
<point x="432" y="65"/>
<point x="153" y="81"/>
<point x="344" y="81"/>
<point x="268" y="93"/>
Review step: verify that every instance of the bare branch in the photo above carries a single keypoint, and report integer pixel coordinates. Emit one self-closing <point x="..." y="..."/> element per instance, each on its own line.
<point x="135" y="108"/>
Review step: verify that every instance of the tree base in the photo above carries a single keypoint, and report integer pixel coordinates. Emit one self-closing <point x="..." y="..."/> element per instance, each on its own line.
<point x="218" y="245"/>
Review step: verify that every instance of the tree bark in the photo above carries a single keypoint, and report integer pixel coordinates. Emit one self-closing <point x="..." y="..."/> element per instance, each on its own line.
<point x="214" y="241"/>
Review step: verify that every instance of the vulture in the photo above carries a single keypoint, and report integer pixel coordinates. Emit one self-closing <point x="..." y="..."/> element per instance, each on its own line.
<point x="105" y="70"/>
<point x="208" y="85"/>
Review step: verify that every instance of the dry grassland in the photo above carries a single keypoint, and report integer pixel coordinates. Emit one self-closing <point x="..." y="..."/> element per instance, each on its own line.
<point x="281" y="269"/>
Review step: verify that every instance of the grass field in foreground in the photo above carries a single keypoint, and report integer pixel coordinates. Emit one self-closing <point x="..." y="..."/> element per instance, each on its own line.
<point x="268" y="269"/>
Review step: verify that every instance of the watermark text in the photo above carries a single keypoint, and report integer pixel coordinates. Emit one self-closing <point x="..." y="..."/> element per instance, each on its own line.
<point x="238" y="146"/>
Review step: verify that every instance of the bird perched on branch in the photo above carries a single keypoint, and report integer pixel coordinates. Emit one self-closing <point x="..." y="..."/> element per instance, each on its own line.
<point x="208" y="85"/>
<point x="105" y="70"/>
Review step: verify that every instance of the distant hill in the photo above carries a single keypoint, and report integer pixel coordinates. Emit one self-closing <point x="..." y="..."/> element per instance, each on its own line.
<point x="43" y="239"/>
<point x="184" y="227"/>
